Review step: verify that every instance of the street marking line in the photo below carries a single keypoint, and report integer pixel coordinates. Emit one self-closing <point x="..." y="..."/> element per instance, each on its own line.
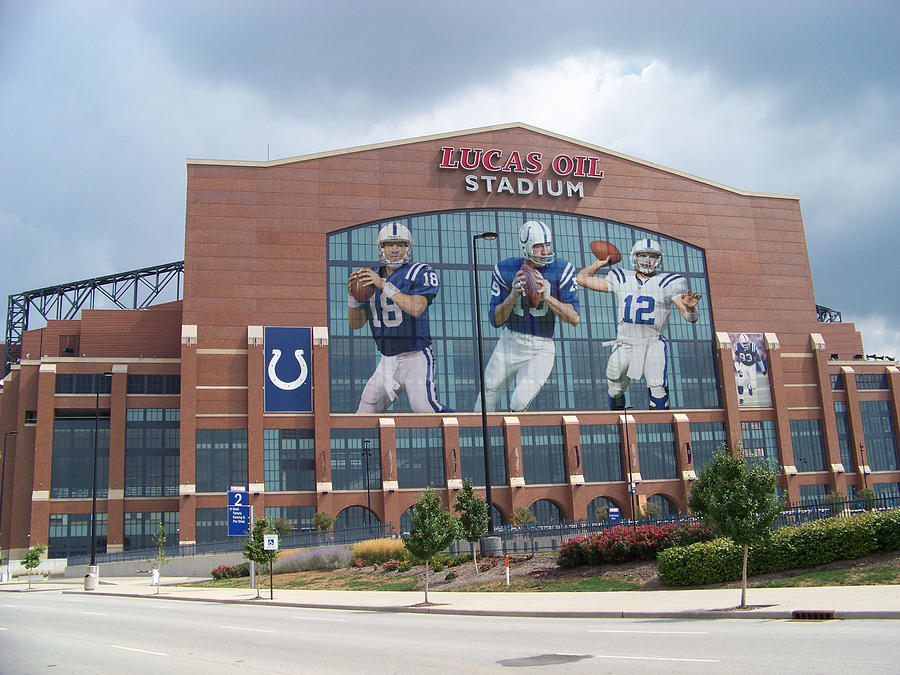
<point x="254" y="630"/>
<point x="10" y="606"/>
<point x="314" y="618"/>
<point x="651" y="632"/>
<point x="4" y="628"/>
<point x="140" y="651"/>
<point x="653" y="658"/>
<point x="95" y="613"/>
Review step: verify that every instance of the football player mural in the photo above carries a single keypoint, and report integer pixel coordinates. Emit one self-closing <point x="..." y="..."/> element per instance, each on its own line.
<point x="394" y="301"/>
<point x="645" y="296"/>
<point x="749" y="364"/>
<point x="528" y="293"/>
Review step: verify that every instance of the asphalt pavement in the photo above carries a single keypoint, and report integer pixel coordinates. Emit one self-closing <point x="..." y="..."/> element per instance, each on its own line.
<point x="812" y="603"/>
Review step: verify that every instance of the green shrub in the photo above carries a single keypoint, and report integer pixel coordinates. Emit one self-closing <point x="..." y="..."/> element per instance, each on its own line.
<point x="808" y="545"/>
<point x="451" y="576"/>
<point x="620" y="544"/>
<point x="376" y="551"/>
<point x="707" y="562"/>
<point x="886" y="525"/>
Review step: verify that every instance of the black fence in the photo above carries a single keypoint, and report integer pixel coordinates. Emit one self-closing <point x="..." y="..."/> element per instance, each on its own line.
<point x="523" y="539"/>
<point x="303" y="539"/>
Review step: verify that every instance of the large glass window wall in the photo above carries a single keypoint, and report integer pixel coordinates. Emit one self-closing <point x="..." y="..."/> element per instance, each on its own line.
<point x="656" y="451"/>
<point x="420" y="458"/>
<point x="542" y="455"/>
<point x="221" y="459"/>
<point x="578" y="379"/>
<point x="471" y="452"/>
<point x="809" y="447"/>
<point x="152" y="452"/>
<point x="71" y="469"/>
<point x="881" y="437"/>
<point x="290" y="460"/>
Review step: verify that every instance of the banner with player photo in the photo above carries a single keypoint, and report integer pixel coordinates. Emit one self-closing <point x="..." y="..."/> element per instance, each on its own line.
<point x="751" y="370"/>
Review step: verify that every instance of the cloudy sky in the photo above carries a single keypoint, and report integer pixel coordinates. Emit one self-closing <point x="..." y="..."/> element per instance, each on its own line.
<point x="102" y="102"/>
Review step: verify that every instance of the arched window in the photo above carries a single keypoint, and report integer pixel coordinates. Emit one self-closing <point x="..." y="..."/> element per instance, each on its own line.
<point x="546" y="512"/>
<point x="599" y="504"/>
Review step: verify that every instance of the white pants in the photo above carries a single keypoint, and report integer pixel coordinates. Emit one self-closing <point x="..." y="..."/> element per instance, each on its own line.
<point x="527" y="357"/>
<point x="412" y="371"/>
<point x="747" y="376"/>
<point x="633" y="360"/>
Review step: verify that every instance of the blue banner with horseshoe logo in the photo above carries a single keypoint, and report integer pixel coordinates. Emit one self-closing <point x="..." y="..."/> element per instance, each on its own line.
<point x="288" y="363"/>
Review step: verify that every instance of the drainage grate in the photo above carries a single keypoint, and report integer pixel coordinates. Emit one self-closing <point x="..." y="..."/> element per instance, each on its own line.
<point x="813" y="614"/>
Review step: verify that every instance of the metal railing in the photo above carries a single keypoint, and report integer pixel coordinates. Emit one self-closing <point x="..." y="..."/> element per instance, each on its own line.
<point x="303" y="539"/>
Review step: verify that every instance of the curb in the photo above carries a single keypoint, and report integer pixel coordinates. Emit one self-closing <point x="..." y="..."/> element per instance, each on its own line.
<point x="698" y="614"/>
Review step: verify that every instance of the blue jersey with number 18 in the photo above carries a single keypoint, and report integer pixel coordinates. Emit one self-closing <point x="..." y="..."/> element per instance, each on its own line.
<point x="395" y="331"/>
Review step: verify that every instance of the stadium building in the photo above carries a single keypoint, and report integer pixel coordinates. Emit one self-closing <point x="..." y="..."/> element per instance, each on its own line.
<point x="253" y="377"/>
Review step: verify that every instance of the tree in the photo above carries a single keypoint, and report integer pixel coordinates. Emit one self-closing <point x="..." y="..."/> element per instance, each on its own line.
<point x="160" y="559"/>
<point x="282" y="526"/>
<point x="650" y="509"/>
<point x="253" y="549"/>
<point x="523" y="516"/>
<point x="473" y="519"/>
<point x="602" y="513"/>
<point x="323" y="520"/>
<point x="737" y="499"/>
<point x="33" y="559"/>
<point x="432" y="531"/>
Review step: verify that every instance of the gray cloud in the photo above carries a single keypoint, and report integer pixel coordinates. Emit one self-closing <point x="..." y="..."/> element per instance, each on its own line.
<point x="101" y="102"/>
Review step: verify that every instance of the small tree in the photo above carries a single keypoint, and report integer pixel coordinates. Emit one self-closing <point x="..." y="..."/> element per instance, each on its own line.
<point x="473" y="519"/>
<point x="254" y="548"/>
<point x="33" y="559"/>
<point x="866" y="498"/>
<point x="432" y="531"/>
<point x="602" y="513"/>
<point x="323" y="520"/>
<point x="650" y="509"/>
<point x="282" y="526"/>
<point x="737" y="499"/>
<point x="523" y="516"/>
<point x="160" y="559"/>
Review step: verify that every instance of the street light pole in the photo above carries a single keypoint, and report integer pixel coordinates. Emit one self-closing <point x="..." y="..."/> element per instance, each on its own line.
<point x="632" y="488"/>
<point x="366" y="453"/>
<point x="97" y="381"/>
<point x="3" y="475"/>
<point x="486" y="446"/>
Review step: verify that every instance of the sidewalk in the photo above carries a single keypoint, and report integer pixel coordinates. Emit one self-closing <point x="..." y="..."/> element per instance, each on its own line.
<point x="838" y="602"/>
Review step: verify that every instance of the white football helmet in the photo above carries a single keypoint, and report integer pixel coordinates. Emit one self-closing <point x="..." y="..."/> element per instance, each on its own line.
<point x="744" y="341"/>
<point x="532" y="233"/>
<point x="394" y="233"/>
<point x="652" y="247"/>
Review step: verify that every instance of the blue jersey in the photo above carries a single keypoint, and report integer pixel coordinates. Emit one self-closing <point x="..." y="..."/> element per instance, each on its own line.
<point x="538" y="320"/>
<point x="748" y="356"/>
<point x="395" y="331"/>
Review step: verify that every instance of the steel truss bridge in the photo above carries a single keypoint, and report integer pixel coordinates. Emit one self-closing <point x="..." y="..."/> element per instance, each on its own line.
<point x="136" y="289"/>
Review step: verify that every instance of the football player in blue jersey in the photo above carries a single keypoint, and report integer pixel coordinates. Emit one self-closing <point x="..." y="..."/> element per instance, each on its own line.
<point x="645" y="297"/>
<point x="526" y="349"/>
<point x="748" y="362"/>
<point x="397" y="314"/>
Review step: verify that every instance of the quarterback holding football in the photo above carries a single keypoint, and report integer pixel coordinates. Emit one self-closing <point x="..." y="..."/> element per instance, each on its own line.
<point x="645" y="296"/>
<point x="394" y="301"/>
<point x="528" y="293"/>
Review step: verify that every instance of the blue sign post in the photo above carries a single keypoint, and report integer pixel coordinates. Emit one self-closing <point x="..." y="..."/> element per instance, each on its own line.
<point x="615" y="516"/>
<point x="238" y="513"/>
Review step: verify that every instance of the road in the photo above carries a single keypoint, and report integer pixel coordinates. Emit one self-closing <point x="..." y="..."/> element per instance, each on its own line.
<point x="96" y="634"/>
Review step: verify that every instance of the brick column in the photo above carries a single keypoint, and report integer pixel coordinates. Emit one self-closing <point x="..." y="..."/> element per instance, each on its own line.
<point x="187" y="467"/>
<point x="452" y="461"/>
<point x="115" y="502"/>
<point x="578" y="500"/>
<point x="837" y="477"/>
<point x="39" y="525"/>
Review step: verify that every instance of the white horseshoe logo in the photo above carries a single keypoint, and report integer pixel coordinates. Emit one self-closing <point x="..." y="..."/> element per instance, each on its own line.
<point x="288" y="386"/>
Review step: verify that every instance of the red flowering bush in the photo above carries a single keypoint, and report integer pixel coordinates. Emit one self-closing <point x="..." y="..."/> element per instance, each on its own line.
<point x="623" y="543"/>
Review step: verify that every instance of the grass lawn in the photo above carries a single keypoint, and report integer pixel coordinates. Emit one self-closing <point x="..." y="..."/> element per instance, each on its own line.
<point x="873" y="576"/>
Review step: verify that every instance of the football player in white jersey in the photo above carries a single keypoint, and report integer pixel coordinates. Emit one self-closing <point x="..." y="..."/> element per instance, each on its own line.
<point x="397" y="314"/>
<point x="645" y="298"/>
<point x="525" y="350"/>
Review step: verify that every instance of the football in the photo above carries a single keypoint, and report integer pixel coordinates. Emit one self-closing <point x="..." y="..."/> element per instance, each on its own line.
<point x="603" y="250"/>
<point x="359" y="292"/>
<point x="533" y="288"/>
